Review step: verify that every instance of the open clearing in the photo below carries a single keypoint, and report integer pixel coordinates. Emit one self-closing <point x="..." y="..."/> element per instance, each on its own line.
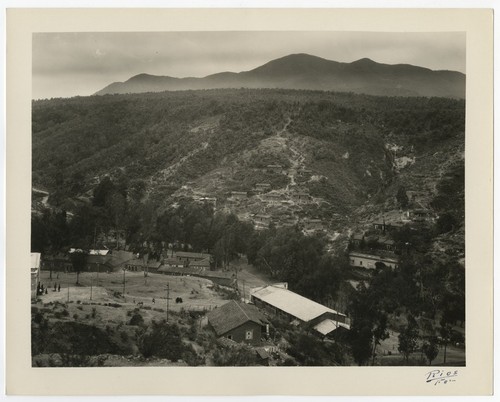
<point x="196" y="293"/>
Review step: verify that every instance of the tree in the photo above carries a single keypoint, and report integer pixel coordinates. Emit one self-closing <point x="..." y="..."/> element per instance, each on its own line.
<point x="379" y="332"/>
<point x="401" y="197"/>
<point x="79" y="261"/>
<point x="103" y="190"/>
<point x="361" y="344"/>
<point x="445" y="223"/>
<point x="445" y="331"/>
<point x="408" y="338"/>
<point x="430" y="350"/>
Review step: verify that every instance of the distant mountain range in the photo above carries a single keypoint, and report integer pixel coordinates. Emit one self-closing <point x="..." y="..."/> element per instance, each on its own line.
<point x="303" y="71"/>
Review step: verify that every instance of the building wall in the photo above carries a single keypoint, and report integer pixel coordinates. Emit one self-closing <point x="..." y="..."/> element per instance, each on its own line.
<point x="240" y="333"/>
<point x="369" y="263"/>
<point x="271" y="309"/>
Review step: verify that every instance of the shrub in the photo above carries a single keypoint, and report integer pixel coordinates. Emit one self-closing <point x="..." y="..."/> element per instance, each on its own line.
<point x="38" y="318"/>
<point x="162" y="340"/>
<point x="75" y="316"/>
<point x="136" y="319"/>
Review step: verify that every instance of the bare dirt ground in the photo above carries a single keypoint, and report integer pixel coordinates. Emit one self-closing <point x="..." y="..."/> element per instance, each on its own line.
<point x="196" y="293"/>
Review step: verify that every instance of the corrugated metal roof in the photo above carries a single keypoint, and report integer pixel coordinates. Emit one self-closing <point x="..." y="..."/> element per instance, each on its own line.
<point x="35" y="260"/>
<point x="292" y="303"/>
<point x="328" y="325"/>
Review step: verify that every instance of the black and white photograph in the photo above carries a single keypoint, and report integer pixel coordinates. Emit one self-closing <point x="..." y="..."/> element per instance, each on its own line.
<point x="248" y="198"/>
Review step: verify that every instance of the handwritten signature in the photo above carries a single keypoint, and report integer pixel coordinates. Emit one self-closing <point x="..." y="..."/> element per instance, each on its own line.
<point x="441" y="376"/>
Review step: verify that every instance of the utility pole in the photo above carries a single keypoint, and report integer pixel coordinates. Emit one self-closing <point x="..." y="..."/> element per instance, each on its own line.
<point x="98" y="269"/>
<point x="68" y="292"/>
<point x="91" y="286"/>
<point x="168" y="298"/>
<point x="124" y="282"/>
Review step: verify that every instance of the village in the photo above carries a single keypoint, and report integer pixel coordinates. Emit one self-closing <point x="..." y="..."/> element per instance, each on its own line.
<point x="236" y="307"/>
<point x="240" y="307"/>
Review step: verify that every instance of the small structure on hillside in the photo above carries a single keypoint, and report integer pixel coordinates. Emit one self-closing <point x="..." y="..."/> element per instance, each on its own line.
<point x="200" y="264"/>
<point x="272" y="198"/>
<point x="313" y="224"/>
<point x="173" y="263"/>
<point x="262" y="220"/>
<point x="262" y="187"/>
<point x="239" y="195"/>
<point x="420" y="215"/>
<point x="274" y="169"/>
<point x="239" y="322"/>
<point x="301" y="198"/>
<point x="370" y="261"/>
<point x="207" y="200"/>
<point x="139" y="265"/>
<point x="357" y="239"/>
<point x="188" y="257"/>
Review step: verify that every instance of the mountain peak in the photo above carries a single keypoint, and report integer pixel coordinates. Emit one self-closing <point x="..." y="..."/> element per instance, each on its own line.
<point x="305" y="71"/>
<point x="365" y="61"/>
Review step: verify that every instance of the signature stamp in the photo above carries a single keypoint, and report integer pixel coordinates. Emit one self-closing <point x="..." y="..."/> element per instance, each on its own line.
<point x="441" y="376"/>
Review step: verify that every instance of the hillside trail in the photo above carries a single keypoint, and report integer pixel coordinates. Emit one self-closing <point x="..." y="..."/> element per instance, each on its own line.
<point x="170" y="171"/>
<point x="282" y="142"/>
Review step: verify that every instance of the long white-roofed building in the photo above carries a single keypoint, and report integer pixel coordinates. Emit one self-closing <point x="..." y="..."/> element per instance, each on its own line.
<point x="280" y="301"/>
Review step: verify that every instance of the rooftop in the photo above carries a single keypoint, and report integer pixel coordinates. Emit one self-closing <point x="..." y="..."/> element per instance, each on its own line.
<point x="233" y="314"/>
<point x="328" y="325"/>
<point x="188" y="254"/>
<point x="291" y="303"/>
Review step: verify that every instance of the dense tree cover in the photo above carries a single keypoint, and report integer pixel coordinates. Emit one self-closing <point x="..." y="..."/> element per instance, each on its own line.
<point x="287" y="255"/>
<point x="449" y="201"/>
<point x="422" y="289"/>
<point x="79" y="140"/>
<point x="161" y="339"/>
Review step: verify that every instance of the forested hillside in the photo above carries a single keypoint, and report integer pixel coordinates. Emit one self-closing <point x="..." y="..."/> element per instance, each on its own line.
<point x="161" y="141"/>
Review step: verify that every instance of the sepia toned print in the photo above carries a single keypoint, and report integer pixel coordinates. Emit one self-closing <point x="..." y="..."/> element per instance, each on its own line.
<point x="302" y="212"/>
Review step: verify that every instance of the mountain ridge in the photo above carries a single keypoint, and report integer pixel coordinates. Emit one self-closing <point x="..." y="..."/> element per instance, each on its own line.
<point x="306" y="72"/>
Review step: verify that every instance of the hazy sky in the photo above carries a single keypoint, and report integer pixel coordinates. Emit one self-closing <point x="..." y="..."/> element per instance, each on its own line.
<point x="69" y="64"/>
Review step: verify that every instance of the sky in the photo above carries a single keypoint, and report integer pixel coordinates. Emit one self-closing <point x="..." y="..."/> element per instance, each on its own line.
<point x="81" y="63"/>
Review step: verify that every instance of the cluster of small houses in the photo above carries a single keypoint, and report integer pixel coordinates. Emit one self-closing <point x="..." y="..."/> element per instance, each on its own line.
<point x="272" y="197"/>
<point x="176" y="263"/>
<point x="262" y="221"/>
<point x="369" y="250"/>
<point x="236" y="323"/>
<point x="376" y="248"/>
